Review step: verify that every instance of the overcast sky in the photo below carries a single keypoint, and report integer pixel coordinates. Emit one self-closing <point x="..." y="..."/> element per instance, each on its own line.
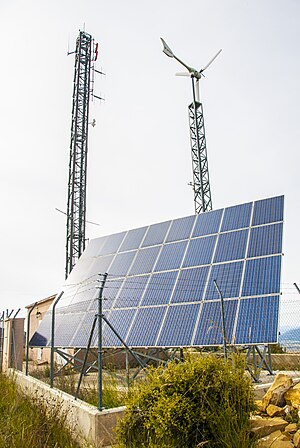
<point x="139" y="162"/>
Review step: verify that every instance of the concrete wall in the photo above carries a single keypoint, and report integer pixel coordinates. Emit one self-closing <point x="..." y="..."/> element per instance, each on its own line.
<point x="84" y="420"/>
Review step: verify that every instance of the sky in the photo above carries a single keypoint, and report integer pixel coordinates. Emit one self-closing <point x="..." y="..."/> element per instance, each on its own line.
<point x="139" y="160"/>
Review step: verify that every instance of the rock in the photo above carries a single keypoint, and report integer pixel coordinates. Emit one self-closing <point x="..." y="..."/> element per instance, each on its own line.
<point x="291" y="428"/>
<point x="296" y="439"/>
<point x="276" y="439"/>
<point x="259" y="405"/>
<point x="267" y="441"/>
<point x="275" y="411"/>
<point x="287" y="409"/>
<point x="282" y="444"/>
<point x="292" y="396"/>
<point x="262" y="427"/>
<point x="275" y="394"/>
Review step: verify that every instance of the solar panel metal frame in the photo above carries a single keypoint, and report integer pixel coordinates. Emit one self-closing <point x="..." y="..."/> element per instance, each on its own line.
<point x="194" y="246"/>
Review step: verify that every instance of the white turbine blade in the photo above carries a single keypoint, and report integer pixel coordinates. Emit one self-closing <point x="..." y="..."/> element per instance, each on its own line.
<point x="183" y="74"/>
<point x="212" y="60"/>
<point x="167" y="50"/>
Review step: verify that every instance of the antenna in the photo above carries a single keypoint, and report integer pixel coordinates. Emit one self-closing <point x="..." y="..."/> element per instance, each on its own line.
<point x="200" y="184"/>
<point x="83" y="90"/>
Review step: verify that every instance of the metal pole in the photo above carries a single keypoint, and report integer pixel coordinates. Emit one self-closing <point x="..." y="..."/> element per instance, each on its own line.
<point x="100" y="317"/>
<point x="297" y="287"/>
<point x="124" y="343"/>
<point x="85" y="357"/>
<point x="223" y="320"/>
<point x="52" y="339"/>
<point x="27" y="337"/>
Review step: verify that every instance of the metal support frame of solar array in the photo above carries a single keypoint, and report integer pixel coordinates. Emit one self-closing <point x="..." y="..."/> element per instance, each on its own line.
<point x="159" y="292"/>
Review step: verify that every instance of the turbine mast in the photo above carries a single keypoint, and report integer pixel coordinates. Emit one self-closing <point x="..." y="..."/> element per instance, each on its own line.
<point x="201" y="185"/>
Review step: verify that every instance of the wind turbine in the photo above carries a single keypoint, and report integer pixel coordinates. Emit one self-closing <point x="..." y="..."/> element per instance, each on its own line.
<point x="201" y="186"/>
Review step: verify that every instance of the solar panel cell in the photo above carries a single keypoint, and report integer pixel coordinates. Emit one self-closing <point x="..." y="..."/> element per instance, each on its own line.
<point x="156" y="234"/>
<point x="181" y="229"/>
<point x="190" y="285"/>
<point x="268" y="210"/>
<point x="236" y="217"/>
<point x="121" y="264"/>
<point x="228" y="277"/>
<point x="200" y="251"/>
<point x="159" y="288"/>
<point x="178" y="326"/>
<point x="207" y="223"/>
<point x="265" y="240"/>
<point x="210" y="329"/>
<point x="120" y="320"/>
<point x="133" y="239"/>
<point x="145" y="327"/>
<point x="131" y="292"/>
<point x="144" y="262"/>
<point x="262" y="276"/>
<point x="257" y="321"/>
<point x="231" y="246"/>
<point x="171" y="256"/>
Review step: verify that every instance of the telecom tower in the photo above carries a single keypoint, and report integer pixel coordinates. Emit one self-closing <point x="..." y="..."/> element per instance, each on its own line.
<point x="85" y="54"/>
<point x="201" y="186"/>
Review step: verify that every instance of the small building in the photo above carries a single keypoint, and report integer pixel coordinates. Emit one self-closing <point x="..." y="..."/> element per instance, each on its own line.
<point x="39" y="309"/>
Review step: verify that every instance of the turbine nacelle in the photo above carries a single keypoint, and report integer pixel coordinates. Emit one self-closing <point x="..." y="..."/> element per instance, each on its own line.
<point x="191" y="72"/>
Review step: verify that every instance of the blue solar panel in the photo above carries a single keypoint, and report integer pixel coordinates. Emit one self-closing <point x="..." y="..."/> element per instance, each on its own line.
<point x="207" y="223"/>
<point x="121" y="320"/>
<point x="156" y="234"/>
<point x="131" y="292"/>
<point x="210" y="329"/>
<point x="231" y="246"/>
<point x="257" y="320"/>
<point x="145" y="259"/>
<point x="236" y="217"/>
<point x="267" y="211"/>
<point x="181" y="229"/>
<point x="133" y="239"/>
<point x="122" y="263"/>
<point x="200" y="251"/>
<point x="146" y="326"/>
<point x="228" y="277"/>
<point x="160" y="287"/>
<point x="265" y="240"/>
<point x="262" y="276"/>
<point x="171" y="256"/>
<point x="178" y="326"/>
<point x="112" y="243"/>
<point x="190" y="285"/>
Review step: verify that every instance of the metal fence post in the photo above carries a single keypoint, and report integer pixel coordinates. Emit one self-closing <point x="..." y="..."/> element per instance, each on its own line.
<point x="100" y="316"/>
<point x="27" y="337"/>
<point x="223" y="320"/>
<point x="52" y="339"/>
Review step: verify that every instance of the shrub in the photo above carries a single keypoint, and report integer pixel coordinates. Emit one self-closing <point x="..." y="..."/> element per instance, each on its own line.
<point x="200" y="401"/>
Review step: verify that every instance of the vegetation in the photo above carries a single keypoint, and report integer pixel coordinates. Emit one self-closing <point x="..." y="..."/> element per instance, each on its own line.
<point x="201" y="402"/>
<point x="113" y="395"/>
<point x="26" y="422"/>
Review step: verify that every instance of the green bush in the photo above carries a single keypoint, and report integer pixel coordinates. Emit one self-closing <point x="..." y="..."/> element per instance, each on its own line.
<point x="200" y="402"/>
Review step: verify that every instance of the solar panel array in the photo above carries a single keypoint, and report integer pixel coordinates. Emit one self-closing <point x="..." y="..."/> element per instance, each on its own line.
<point x="160" y="288"/>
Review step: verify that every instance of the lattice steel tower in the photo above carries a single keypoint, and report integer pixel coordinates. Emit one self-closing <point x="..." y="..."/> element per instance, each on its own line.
<point x="76" y="208"/>
<point x="201" y="185"/>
